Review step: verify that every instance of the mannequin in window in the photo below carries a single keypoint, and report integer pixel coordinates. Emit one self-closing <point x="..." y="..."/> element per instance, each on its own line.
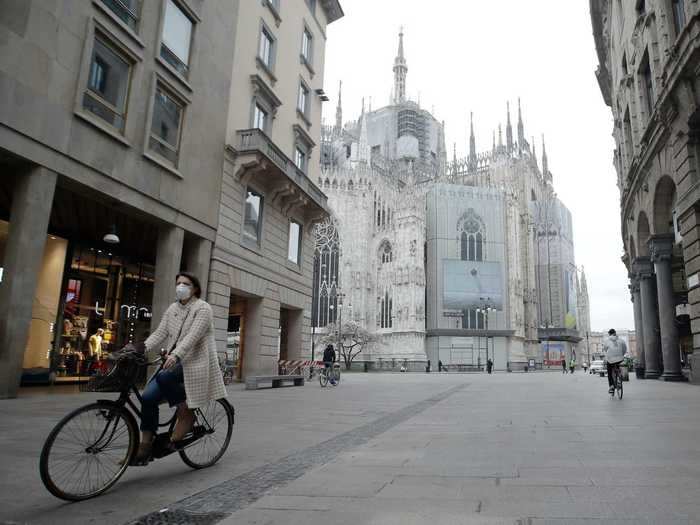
<point x="95" y="343"/>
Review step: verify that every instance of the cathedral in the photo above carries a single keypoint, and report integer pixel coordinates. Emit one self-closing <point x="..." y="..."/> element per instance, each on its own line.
<point x="451" y="261"/>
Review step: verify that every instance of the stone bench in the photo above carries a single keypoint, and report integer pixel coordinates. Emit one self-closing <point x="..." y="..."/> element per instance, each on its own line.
<point x="253" y="382"/>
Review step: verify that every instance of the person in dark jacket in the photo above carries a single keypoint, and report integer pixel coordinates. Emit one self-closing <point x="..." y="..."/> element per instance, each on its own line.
<point x="563" y="365"/>
<point x="489" y="365"/>
<point x="329" y="359"/>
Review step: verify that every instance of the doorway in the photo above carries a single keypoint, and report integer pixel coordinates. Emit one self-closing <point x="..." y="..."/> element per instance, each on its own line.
<point x="235" y="336"/>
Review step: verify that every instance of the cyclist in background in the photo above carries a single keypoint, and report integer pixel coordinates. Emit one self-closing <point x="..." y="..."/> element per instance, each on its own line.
<point x="328" y="360"/>
<point x="615" y="350"/>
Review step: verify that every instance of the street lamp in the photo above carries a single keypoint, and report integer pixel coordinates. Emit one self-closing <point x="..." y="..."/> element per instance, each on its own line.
<point x="486" y="308"/>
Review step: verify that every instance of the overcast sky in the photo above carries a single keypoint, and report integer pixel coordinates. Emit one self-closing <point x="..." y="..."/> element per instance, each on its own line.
<point x="470" y="55"/>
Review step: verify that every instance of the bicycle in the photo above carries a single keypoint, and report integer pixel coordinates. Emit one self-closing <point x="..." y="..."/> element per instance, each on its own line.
<point x="91" y="447"/>
<point x="617" y="381"/>
<point x="330" y="374"/>
<point x="228" y="370"/>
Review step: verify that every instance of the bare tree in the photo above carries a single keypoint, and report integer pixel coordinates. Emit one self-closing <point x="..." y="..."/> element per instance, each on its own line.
<point x="353" y="340"/>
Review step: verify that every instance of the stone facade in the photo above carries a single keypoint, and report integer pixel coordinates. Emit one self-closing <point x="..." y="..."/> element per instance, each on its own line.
<point x="407" y="219"/>
<point x="263" y="255"/>
<point x="649" y="54"/>
<point x="105" y="129"/>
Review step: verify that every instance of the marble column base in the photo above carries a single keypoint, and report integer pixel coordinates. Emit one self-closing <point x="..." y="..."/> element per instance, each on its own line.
<point x="652" y="374"/>
<point x="673" y="377"/>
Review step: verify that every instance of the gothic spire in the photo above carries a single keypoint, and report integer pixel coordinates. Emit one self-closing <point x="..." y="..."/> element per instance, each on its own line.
<point x="532" y="150"/>
<point x="494" y="141"/>
<point x="400" y="70"/>
<point x="509" y="129"/>
<point x="500" y="136"/>
<point x="339" y="109"/>
<point x="545" y="164"/>
<point x="521" y="128"/>
<point x="472" y="139"/>
<point x="363" y="144"/>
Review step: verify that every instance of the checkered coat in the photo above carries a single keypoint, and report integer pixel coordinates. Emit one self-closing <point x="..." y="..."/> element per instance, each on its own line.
<point x="195" y="347"/>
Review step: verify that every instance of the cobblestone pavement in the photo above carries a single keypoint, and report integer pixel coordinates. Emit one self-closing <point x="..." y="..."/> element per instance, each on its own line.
<point x="401" y="448"/>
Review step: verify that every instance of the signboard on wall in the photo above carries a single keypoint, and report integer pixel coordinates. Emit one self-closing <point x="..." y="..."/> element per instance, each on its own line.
<point x="552" y="353"/>
<point x="472" y="284"/>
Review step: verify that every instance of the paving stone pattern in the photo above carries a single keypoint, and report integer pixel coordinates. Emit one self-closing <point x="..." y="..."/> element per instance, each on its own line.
<point x="390" y="449"/>
<point x="241" y="491"/>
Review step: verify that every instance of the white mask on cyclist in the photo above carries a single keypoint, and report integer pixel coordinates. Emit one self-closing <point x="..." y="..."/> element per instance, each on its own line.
<point x="183" y="292"/>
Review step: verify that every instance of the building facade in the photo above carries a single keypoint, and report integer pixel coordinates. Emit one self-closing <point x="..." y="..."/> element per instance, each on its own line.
<point x="649" y="53"/>
<point x="454" y="261"/>
<point x="139" y="139"/>
<point x="111" y="146"/>
<point x="263" y="255"/>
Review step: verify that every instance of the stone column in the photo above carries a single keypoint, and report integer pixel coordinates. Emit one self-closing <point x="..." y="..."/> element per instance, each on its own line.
<point x="32" y="199"/>
<point x="661" y="249"/>
<point x="168" y="257"/>
<point x="689" y="223"/>
<point x="197" y="261"/>
<point x="638" y="320"/>
<point x="647" y="292"/>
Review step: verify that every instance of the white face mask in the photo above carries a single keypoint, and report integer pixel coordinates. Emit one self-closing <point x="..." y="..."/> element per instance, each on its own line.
<point x="183" y="292"/>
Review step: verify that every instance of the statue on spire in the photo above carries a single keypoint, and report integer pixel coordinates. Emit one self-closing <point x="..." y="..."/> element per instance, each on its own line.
<point x="400" y="70"/>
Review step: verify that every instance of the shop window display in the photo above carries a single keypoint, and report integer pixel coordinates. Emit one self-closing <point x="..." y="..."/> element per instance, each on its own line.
<point x="106" y="304"/>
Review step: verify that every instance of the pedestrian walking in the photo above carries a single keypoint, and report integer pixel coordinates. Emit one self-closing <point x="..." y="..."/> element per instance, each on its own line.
<point x="563" y="365"/>
<point x="489" y="365"/>
<point x="439" y="366"/>
<point x="572" y="364"/>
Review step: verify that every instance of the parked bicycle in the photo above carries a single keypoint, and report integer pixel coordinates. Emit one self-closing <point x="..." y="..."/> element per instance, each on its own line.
<point x="91" y="447"/>
<point x="330" y="374"/>
<point x="228" y="368"/>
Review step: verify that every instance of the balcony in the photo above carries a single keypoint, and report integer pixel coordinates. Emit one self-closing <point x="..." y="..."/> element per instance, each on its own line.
<point x="282" y="171"/>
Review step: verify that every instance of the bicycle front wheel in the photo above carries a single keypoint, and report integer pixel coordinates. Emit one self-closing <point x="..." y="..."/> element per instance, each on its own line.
<point x="323" y="378"/>
<point x="214" y="422"/>
<point x="88" y="451"/>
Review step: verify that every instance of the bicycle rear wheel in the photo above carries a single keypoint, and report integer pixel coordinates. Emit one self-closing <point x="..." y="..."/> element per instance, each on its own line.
<point x="215" y="424"/>
<point x="88" y="451"/>
<point x="336" y="376"/>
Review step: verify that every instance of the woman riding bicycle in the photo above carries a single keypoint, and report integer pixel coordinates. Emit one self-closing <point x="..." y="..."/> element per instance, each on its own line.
<point x="190" y="376"/>
<point x="615" y="350"/>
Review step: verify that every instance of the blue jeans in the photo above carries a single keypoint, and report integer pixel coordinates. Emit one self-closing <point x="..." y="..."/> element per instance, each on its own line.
<point x="166" y="385"/>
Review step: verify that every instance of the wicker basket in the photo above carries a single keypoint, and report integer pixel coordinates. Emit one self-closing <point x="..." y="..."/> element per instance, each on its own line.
<point x="127" y="370"/>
